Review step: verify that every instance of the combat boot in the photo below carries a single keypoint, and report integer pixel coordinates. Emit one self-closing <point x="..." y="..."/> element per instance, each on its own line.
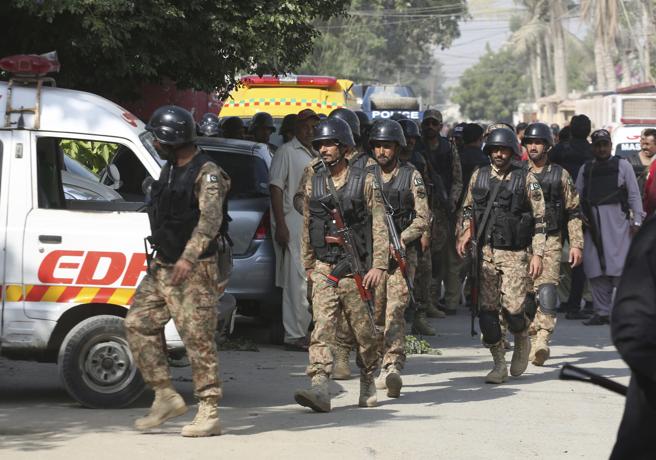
<point x="368" y="396"/>
<point x="167" y="404"/>
<point x="519" y="361"/>
<point x="421" y="326"/>
<point x="531" y="355"/>
<point x="500" y="372"/>
<point x="341" y="365"/>
<point x="433" y="312"/>
<point x="206" y="423"/>
<point x="317" y="397"/>
<point x="393" y="382"/>
<point x="380" y="380"/>
<point x="541" y="351"/>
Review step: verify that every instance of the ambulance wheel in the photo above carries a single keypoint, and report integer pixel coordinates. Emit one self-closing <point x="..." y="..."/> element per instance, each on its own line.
<point x="96" y="365"/>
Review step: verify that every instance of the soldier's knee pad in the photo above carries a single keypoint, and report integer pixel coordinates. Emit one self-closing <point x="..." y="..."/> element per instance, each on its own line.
<point x="516" y="323"/>
<point x="490" y="327"/>
<point x="529" y="305"/>
<point x="548" y="296"/>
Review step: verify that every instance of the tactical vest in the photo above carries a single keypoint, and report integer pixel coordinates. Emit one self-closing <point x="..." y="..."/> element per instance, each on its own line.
<point x="359" y="160"/>
<point x="442" y="162"/>
<point x="510" y="224"/>
<point x="173" y="210"/>
<point x="398" y="193"/>
<point x="600" y="179"/>
<point x="356" y="216"/>
<point x="550" y="180"/>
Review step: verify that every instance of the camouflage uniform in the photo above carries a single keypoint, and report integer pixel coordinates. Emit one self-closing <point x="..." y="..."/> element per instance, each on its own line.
<point x="191" y="304"/>
<point x="504" y="279"/>
<point x="446" y="264"/>
<point x="544" y="323"/>
<point x="392" y="296"/>
<point x="328" y="302"/>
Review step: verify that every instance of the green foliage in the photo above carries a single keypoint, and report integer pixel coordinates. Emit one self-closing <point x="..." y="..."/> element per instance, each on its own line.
<point x="415" y="346"/>
<point x="491" y="89"/>
<point x="93" y="155"/>
<point x="387" y="41"/>
<point x="112" y="47"/>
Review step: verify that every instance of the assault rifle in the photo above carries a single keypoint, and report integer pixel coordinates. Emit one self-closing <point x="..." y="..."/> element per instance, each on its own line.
<point x="352" y="264"/>
<point x="398" y="251"/>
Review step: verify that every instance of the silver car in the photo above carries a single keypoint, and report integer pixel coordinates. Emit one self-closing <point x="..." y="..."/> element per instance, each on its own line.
<point x="253" y="277"/>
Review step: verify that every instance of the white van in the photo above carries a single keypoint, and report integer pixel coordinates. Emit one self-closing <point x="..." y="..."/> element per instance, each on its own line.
<point x="70" y="267"/>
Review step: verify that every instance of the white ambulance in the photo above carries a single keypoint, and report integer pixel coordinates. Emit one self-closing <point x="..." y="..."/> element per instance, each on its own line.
<point x="70" y="267"/>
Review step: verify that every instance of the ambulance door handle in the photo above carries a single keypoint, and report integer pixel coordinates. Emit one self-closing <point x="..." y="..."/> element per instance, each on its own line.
<point x="50" y="239"/>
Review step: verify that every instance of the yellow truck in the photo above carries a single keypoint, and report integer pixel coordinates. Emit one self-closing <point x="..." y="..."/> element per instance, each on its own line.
<point x="287" y="94"/>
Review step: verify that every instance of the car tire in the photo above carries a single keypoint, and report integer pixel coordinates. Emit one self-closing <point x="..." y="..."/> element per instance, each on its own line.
<point x="96" y="365"/>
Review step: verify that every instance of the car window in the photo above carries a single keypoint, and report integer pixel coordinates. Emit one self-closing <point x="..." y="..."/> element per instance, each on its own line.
<point x="249" y="174"/>
<point x="77" y="168"/>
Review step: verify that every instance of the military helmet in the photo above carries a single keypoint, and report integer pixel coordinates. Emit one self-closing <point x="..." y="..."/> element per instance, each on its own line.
<point x="350" y="118"/>
<point x="261" y="119"/>
<point x="209" y="125"/>
<point x="334" y="129"/>
<point x="410" y="128"/>
<point x="387" y="130"/>
<point x="502" y="137"/>
<point x="365" y="122"/>
<point x="538" y="131"/>
<point x="172" y="125"/>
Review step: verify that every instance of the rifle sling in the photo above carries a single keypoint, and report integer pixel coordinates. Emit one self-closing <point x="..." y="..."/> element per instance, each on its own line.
<point x="488" y="208"/>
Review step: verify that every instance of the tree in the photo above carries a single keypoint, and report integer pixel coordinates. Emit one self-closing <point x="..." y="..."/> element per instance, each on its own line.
<point x="557" y="12"/>
<point x="112" y="47"/>
<point x="388" y="41"/>
<point x="603" y="17"/>
<point x="491" y="89"/>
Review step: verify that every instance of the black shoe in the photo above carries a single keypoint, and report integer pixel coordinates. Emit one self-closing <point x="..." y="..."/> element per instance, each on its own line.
<point x="577" y="314"/>
<point x="587" y="308"/>
<point x="597" y="320"/>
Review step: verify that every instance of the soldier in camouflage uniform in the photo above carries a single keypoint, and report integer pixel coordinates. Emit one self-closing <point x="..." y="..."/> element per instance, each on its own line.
<point x="404" y="195"/>
<point x="446" y="171"/>
<point x="513" y="243"/>
<point x="421" y="259"/>
<point x="562" y="214"/>
<point x="364" y="213"/>
<point x="188" y="221"/>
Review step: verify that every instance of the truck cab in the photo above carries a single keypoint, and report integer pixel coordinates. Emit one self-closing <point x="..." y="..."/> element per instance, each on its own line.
<point x="70" y="266"/>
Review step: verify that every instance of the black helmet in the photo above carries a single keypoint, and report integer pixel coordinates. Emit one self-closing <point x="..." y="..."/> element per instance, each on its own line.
<point x="209" y="125"/>
<point x="350" y="118"/>
<point x="172" y="125"/>
<point x="410" y="128"/>
<point x="334" y="129"/>
<point x="502" y="137"/>
<point x="365" y="122"/>
<point x="261" y="119"/>
<point x="538" y="131"/>
<point x="387" y="130"/>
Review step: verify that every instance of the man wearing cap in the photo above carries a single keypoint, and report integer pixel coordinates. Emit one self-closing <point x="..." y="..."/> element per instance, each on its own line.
<point x="285" y="174"/>
<point x="612" y="210"/>
<point x="505" y="206"/>
<point x="562" y="217"/>
<point x="456" y="136"/>
<point x="322" y="254"/>
<point x="443" y="158"/>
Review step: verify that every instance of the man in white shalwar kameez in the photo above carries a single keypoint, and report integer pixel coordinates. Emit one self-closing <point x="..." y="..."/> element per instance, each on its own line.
<point x="285" y="174"/>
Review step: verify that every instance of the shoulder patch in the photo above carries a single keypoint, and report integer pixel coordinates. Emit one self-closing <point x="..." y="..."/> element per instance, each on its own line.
<point x="418" y="180"/>
<point x="537" y="196"/>
<point x="211" y="178"/>
<point x="534" y="186"/>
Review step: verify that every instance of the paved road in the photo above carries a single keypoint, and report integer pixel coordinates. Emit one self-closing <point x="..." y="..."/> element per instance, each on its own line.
<point x="446" y="411"/>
